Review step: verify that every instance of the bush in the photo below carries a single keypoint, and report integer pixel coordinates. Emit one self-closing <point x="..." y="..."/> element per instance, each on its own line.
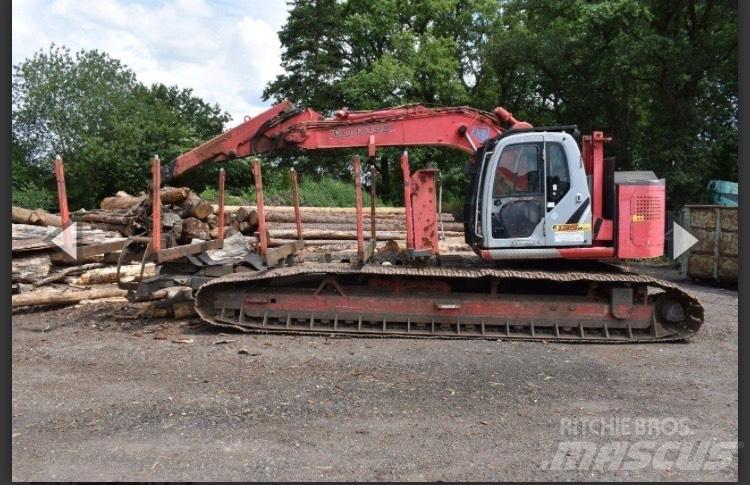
<point x="31" y="196"/>
<point x="326" y="192"/>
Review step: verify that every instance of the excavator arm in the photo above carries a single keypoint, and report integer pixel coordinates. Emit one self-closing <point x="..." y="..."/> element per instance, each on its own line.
<point x="285" y="126"/>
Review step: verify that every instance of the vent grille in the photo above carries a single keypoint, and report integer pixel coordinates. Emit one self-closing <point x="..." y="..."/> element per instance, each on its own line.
<point x="646" y="208"/>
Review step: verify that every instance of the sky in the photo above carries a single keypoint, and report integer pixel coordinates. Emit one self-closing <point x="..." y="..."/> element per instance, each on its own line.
<point x="225" y="50"/>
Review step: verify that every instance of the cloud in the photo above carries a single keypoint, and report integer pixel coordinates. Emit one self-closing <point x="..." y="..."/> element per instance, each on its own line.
<point x="225" y="50"/>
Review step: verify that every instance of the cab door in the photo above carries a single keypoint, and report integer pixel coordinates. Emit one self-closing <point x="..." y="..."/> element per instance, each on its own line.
<point x="567" y="200"/>
<point x="514" y="192"/>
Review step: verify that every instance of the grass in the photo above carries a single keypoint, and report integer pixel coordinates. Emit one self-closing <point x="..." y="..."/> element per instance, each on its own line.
<point x="326" y="192"/>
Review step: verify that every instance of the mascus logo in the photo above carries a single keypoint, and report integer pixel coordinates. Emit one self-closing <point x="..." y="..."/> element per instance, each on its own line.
<point x="361" y="130"/>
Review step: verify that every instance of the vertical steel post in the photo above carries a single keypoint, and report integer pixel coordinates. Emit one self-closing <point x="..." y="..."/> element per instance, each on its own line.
<point x="62" y="194"/>
<point x="155" y="204"/>
<point x="407" y="200"/>
<point x="358" y="205"/>
<point x="597" y="168"/>
<point x="220" y="230"/>
<point x="295" y="202"/>
<point x="262" y="236"/>
<point x="373" y="198"/>
<point x="62" y="200"/>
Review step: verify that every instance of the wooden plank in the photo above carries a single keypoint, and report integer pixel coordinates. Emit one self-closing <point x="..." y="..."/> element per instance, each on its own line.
<point x="281" y="252"/>
<point x="85" y="251"/>
<point x="178" y="252"/>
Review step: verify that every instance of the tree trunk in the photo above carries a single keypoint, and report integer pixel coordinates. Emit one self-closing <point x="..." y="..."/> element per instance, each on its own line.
<point x="28" y="269"/>
<point x="107" y="275"/>
<point x="313" y="234"/>
<point x="174" y="195"/>
<point x="193" y="228"/>
<point x="62" y="275"/>
<point x="103" y="217"/>
<point x="64" y="297"/>
<point x="37" y="217"/>
<point x="194" y="206"/>
<point x="121" y="201"/>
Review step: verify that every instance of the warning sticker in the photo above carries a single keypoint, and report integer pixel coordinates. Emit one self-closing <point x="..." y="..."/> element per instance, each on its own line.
<point x="570" y="236"/>
<point x="575" y="227"/>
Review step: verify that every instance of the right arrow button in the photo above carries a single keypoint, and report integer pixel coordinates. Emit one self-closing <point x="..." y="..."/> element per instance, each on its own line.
<point x="683" y="240"/>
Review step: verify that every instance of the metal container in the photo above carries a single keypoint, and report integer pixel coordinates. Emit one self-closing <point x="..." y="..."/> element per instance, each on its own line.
<point x="715" y="255"/>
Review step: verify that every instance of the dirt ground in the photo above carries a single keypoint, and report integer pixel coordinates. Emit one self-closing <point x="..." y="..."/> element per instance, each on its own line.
<point x="96" y="397"/>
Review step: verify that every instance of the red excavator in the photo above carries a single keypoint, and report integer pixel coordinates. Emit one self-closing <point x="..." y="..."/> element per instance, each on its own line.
<point x="547" y="218"/>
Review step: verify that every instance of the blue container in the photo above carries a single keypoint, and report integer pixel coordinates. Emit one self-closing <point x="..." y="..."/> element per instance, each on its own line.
<point x="723" y="192"/>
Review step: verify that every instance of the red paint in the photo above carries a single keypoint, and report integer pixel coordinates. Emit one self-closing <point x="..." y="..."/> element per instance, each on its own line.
<point x="392" y="127"/>
<point x="155" y="204"/>
<point x="358" y="209"/>
<point x="424" y="210"/>
<point x="539" y="308"/>
<point x="62" y="194"/>
<point x="260" y="209"/>
<point x="594" y="252"/>
<point x="62" y="199"/>
<point x="295" y="202"/>
<point x="373" y="201"/>
<point x="405" y="171"/>
<point x="222" y="179"/>
<point x="640" y="228"/>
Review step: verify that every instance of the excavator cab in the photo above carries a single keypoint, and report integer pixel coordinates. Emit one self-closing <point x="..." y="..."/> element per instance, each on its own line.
<point x="532" y="195"/>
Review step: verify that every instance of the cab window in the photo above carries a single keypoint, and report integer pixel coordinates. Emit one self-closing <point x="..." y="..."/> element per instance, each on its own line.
<point x="517" y="171"/>
<point x="558" y="176"/>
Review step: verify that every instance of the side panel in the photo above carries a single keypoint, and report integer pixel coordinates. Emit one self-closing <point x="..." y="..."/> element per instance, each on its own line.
<point x="568" y="220"/>
<point x="640" y="221"/>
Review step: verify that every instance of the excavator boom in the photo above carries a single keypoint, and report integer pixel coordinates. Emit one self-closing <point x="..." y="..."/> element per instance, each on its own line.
<point x="285" y="126"/>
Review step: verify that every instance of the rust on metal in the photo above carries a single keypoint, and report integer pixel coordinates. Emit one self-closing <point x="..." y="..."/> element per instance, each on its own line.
<point x="220" y="217"/>
<point x="358" y="206"/>
<point x="373" y="202"/>
<point x="295" y="202"/>
<point x="155" y="204"/>
<point x="401" y="301"/>
<point x="259" y="208"/>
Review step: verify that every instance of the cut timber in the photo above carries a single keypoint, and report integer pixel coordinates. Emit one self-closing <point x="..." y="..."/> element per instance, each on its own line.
<point x="339" y="210"/>
<point x="65" y="273"/>
<point x="107" y="275"/>
<point x="102" y="216"/>
<point x="382" y="225"/>
<point x="28" y="231"/>
<point x="37" y="217"/>
<point x="28" y="269"/>
<point x="193" y="228"/>
<point x="123" y="200"/>
<point x="64" y="297"/>
<point x="194" y="206"/>
<point x="174" y="195"/>
<point x="312" y="234"/>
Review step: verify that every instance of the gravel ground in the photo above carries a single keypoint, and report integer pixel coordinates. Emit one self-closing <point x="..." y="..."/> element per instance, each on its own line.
<point x="96" y="397"/>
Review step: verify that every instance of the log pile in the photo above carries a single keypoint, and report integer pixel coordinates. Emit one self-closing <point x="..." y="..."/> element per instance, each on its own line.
<point x="43" y="276"/>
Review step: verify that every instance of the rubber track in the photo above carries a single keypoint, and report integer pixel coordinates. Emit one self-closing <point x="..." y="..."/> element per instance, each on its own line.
<point x="612" y="274"/>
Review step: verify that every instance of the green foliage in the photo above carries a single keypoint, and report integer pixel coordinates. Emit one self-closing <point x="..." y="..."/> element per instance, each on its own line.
<point x="323" y="192"/>
<point x="660" y="77"/>
<point x="91" y="109"/>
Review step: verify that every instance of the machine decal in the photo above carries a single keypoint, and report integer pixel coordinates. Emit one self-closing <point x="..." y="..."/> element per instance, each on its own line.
<point x="481" y="134"/>
<point x="361" y="130"/>
<point x="576" y="216"/>
<point x="571" y="227"/>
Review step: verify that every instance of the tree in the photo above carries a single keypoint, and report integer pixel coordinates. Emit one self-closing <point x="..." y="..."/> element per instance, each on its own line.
<point x="660" y="77"/>
<point x="92" y="110"/>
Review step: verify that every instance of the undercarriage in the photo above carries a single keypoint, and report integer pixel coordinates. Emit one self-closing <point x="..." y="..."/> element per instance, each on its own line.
<point x="598" y="303"/>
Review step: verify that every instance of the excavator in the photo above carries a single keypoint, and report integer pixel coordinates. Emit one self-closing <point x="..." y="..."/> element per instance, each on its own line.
<point x="547" y="218"/>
